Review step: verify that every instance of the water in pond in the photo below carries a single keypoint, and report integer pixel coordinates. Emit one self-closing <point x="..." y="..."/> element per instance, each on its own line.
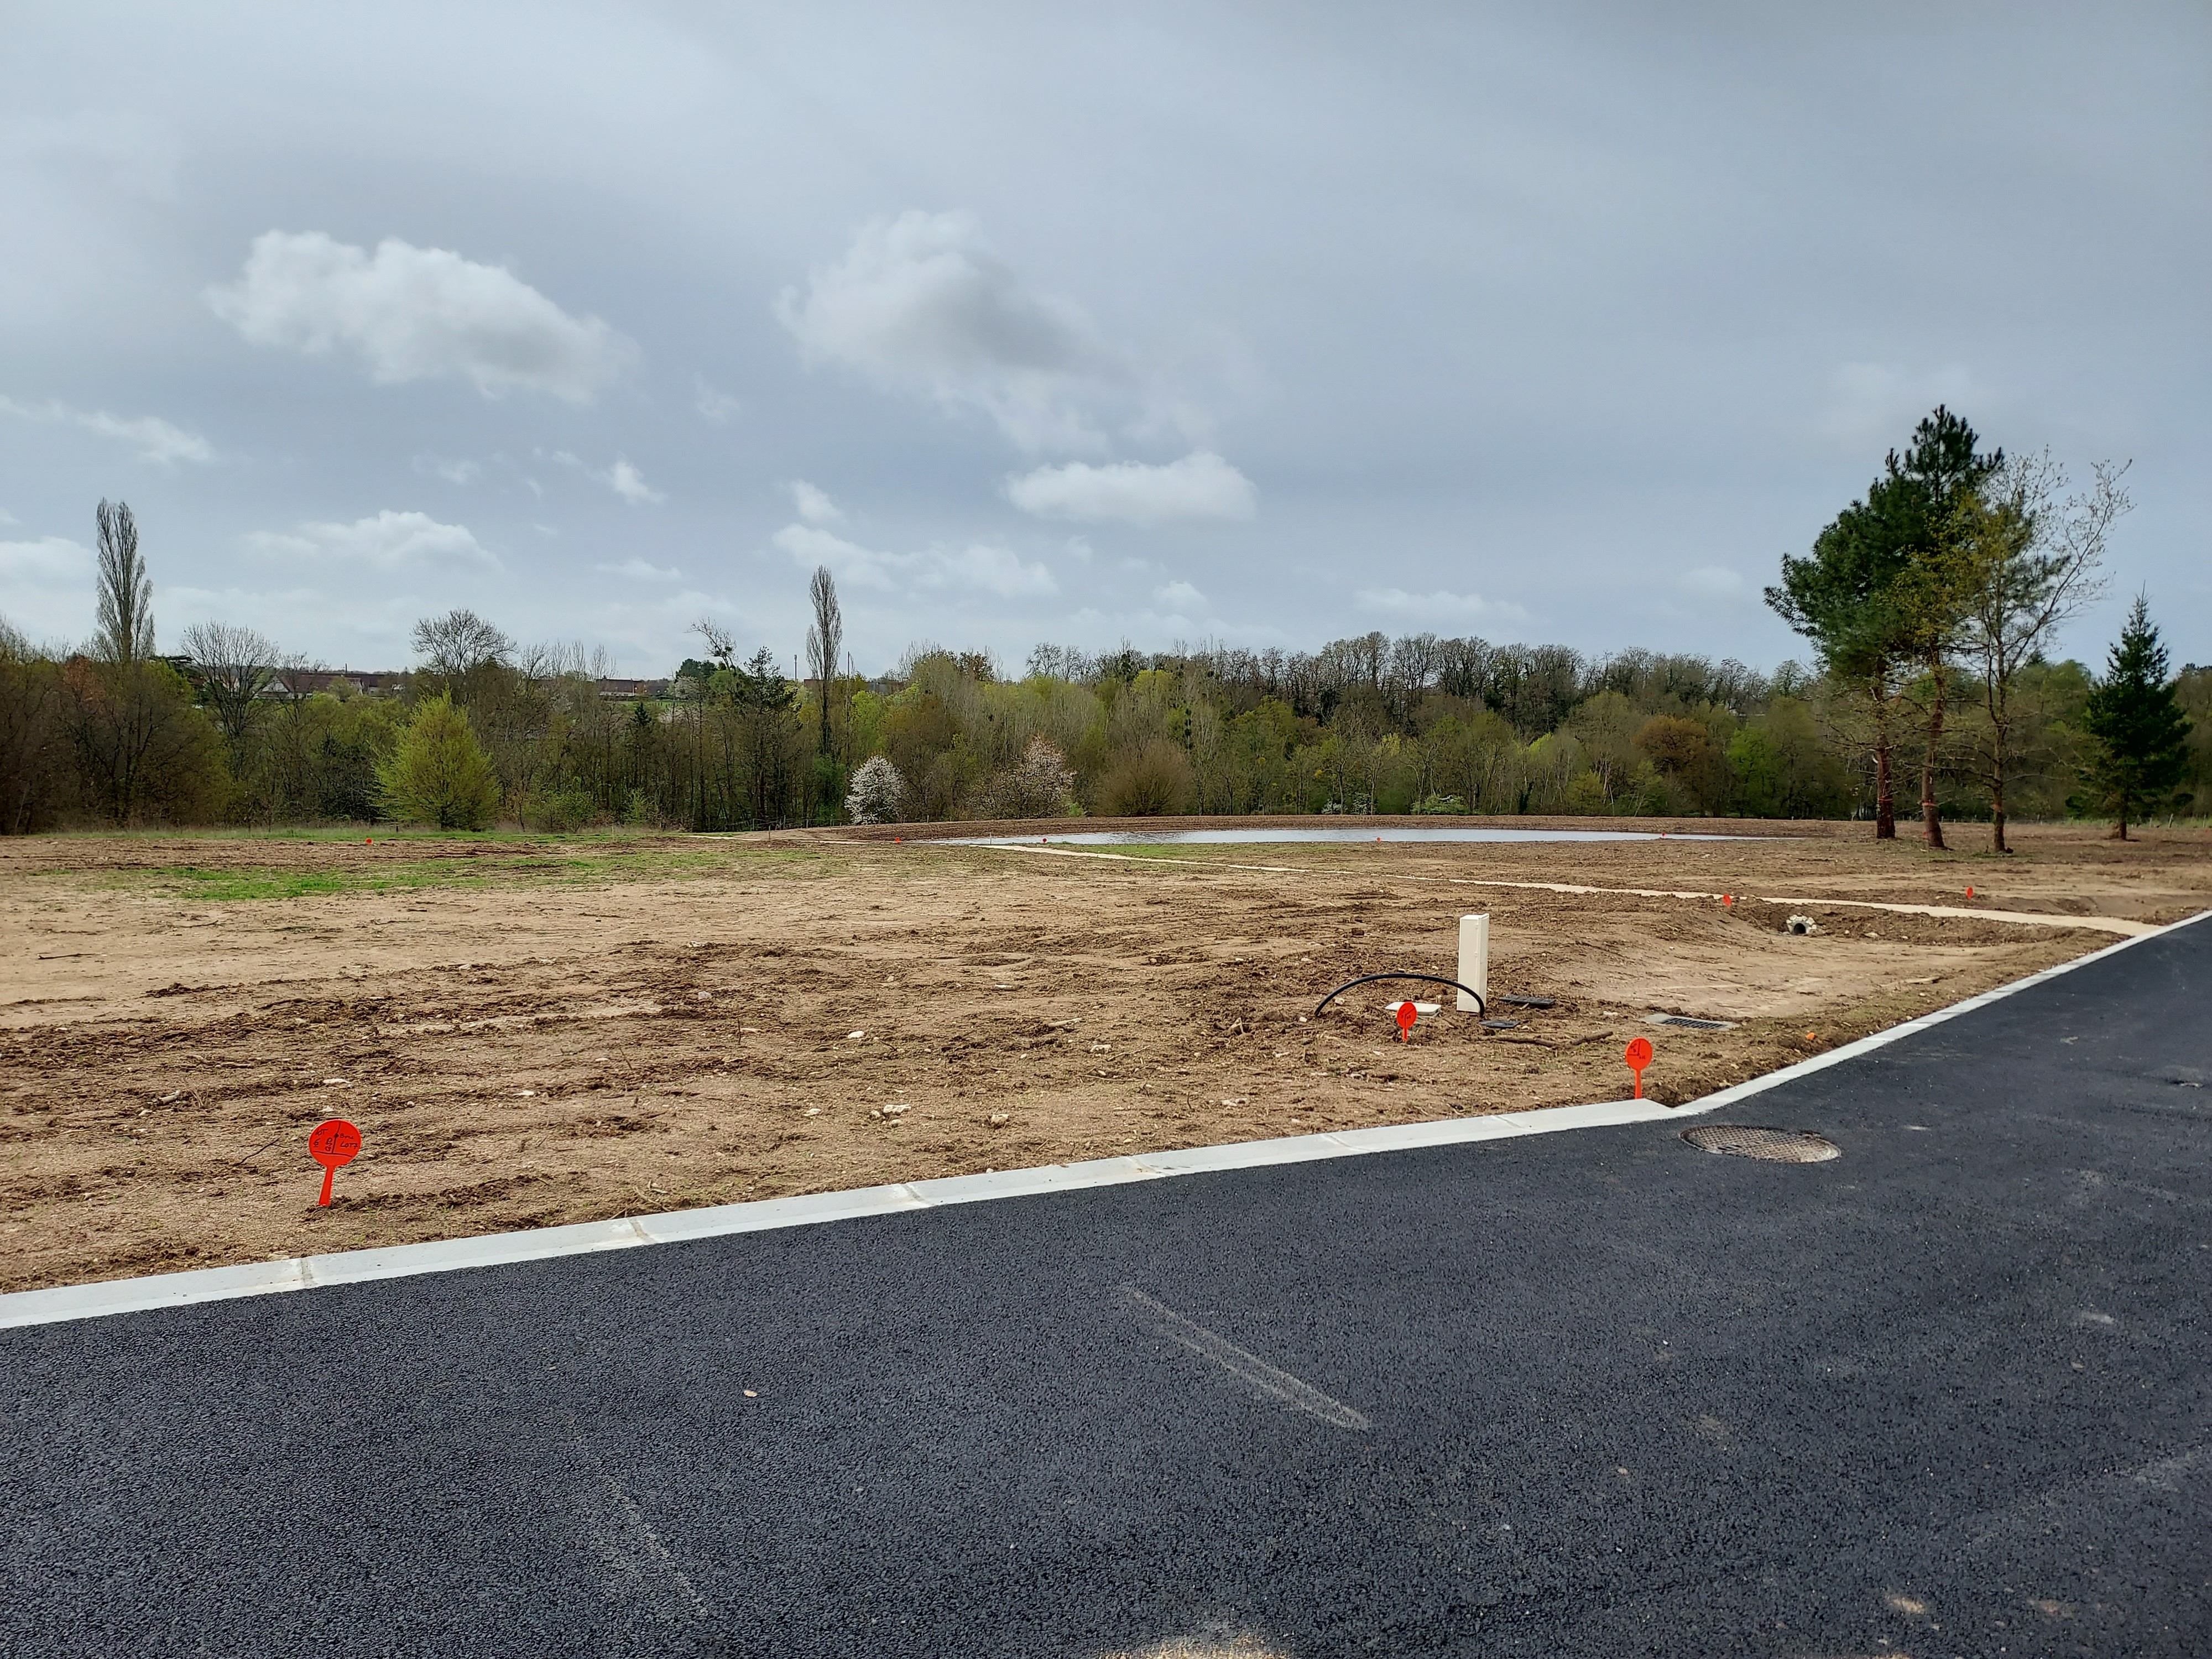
<point x="1320" y="833"/>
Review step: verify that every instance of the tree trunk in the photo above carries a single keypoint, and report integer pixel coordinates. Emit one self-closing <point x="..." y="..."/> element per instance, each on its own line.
<point x="1885" y="802"/>
<point x="1997" y="792"/>
<point x="1929" y="819"/>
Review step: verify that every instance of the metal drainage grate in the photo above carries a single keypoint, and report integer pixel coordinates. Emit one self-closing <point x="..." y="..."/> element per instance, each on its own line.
<point x="1693" y="1024"/>
<point x="1777" y="1145"/>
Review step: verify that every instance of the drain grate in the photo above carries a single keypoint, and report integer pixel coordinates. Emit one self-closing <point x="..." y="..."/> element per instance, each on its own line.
<point x="1777" y="1145"/>
<point x="1694" y="1025"/>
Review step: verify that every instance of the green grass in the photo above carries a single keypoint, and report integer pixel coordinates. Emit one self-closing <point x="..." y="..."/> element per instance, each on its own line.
<point x="525" y="862"/>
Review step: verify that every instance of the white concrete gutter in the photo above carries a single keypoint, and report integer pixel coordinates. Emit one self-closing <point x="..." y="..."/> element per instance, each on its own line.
<point x="70" y="1302"/>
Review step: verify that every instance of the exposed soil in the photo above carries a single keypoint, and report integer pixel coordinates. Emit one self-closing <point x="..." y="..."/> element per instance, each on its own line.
<point x="538" y="1030"/>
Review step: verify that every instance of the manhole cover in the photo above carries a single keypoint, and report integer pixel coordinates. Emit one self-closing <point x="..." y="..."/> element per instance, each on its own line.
<point x="1777" y="1145"/>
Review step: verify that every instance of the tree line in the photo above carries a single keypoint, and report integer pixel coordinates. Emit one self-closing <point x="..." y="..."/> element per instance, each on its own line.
<point x="1929" y="605"/>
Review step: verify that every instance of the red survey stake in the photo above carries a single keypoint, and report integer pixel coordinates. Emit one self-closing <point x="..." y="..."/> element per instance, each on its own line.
<point x="334" y="1142"/>
<point x="1406" y="1015"/>
<point x="1638" y="1056"/>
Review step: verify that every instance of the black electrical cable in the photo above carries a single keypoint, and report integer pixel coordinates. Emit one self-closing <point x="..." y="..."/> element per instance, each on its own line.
<point x="1433" y="979"/>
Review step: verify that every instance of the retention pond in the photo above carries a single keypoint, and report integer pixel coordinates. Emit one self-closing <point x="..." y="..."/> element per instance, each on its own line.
<point x="1346" y="833"/>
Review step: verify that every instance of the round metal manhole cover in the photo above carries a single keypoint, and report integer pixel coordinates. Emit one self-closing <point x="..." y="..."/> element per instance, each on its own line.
<point x="1776" y="1145"/>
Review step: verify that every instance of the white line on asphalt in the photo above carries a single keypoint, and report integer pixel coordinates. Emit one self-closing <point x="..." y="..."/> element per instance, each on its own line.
<point x="1160" y="1319"/>
<point x="117" y="1296"/>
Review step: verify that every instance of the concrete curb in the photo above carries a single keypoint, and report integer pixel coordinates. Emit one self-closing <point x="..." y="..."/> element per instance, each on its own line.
<point x="71" y="1301"/>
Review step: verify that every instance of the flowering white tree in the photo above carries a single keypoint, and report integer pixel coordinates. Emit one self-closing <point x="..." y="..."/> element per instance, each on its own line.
<point x="1036" y="785"/>
<point x="877" y="794"/>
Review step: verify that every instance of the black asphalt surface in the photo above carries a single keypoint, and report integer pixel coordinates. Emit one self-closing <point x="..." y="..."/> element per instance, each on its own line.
<point x="1945" y="1395"/>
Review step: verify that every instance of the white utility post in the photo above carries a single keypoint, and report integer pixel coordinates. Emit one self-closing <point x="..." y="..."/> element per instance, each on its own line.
<point x="1473" y="960"/>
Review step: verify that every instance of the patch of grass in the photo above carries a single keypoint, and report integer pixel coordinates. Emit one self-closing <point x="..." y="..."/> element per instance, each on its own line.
<point x="217" y="886"/>
<point x="540" y="865"/>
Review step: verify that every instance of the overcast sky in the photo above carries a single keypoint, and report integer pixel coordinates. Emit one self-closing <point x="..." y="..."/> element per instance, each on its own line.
<point x="1264" y="323"/>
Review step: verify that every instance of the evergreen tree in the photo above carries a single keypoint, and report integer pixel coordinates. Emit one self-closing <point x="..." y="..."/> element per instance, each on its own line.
<point x="2135" y="726"/>
<point x="440" y="773"/>
<point x="1879" y="593"/>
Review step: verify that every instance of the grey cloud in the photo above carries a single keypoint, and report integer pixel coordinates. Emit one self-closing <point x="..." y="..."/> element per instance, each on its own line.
<point x="1523" y="322"/>
<point x="918" y="303"/>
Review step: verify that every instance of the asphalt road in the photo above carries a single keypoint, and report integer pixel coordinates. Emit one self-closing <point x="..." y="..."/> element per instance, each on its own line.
<point x="1597" y="1393"/>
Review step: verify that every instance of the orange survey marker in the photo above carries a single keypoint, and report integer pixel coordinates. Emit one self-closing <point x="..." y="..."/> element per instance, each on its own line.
<point x="334" y="1142"/>
<point x="1638" y="1056"/>
<point x="1406" y="1015"/>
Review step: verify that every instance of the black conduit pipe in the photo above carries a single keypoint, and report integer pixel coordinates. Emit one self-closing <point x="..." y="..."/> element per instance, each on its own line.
<point x="1481" y="1007"/>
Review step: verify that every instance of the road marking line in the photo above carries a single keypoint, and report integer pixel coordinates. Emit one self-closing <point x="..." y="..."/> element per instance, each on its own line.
<point x="1160" y="1319"/>
<point x="117" y="1296"/>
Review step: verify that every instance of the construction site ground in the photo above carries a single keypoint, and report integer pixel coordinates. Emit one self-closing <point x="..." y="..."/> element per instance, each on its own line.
<point x="531" y="1029"/>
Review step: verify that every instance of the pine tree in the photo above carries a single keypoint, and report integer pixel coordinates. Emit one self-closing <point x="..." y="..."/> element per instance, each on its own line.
<point x="2135" y="726"/>
<point x="1881" y="592"/>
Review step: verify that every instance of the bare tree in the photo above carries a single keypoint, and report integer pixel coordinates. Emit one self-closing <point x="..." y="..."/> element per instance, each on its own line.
<point x="126" y="592"/>
<point x="234" y="666"/>
<point x="451" y="645"/>
<point x="825" y="640"/>
<point x="29" y="728"/>
<point x="721" y="645"/>
<point x="2035" y="551"/>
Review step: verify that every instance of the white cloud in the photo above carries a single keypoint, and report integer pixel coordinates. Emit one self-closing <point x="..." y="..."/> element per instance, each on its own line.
<point x="640" y="570"/>
<point x="917" y="303"/>
<point x="1180" y="596"/>
<point x="1713" y="581"/>
<point x="813" y="504"/>
<point x="415" y="314"/>
<point x="979" y="566"/>
<point x="459" y="472"/>
<point x="627" y="482"/>
<point x="994" y="569"/>
<point x="390" y="541"/>
<point x="155" y="438"/>
<point x="713" y="405"/>
<point x="1199" y="486"/>
<point x="848" y="562"/>
<point x="1437" y="606"/>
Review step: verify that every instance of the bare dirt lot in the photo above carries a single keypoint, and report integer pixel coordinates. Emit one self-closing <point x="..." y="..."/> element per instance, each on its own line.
<point x="531" y="1030"/>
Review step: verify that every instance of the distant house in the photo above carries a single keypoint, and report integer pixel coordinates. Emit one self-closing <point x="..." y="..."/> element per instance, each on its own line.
<point x="390" y="682"/>
<point x="306" y="681"/>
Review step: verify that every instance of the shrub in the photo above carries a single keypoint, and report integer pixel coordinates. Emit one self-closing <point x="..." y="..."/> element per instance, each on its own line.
<point x="1036" y="786"/>
<point x="439" y="774"/>
<point x="877" y="794"/>
<point x="561" y="811"/>
<point x="1155" y="781"/>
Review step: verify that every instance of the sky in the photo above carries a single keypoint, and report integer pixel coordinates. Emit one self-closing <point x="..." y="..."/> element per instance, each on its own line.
<point x="1261" y="325"/>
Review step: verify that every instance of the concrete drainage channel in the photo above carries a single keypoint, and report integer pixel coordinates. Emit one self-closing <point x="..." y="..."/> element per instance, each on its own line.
<point x="1775" y="1146"/>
